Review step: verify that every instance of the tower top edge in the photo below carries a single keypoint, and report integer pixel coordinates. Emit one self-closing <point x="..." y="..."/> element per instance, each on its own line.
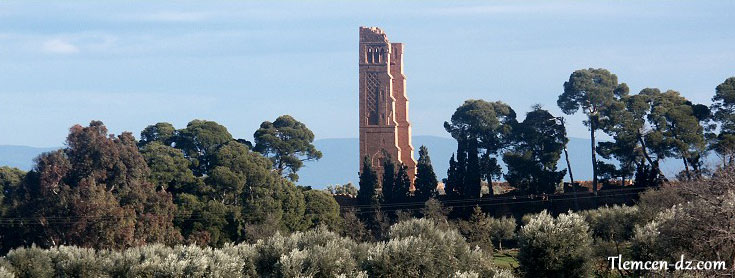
<point x="372" y="34"/>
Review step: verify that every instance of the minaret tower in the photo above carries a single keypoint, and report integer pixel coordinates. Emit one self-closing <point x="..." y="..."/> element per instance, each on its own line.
<point x="384" y="125"/>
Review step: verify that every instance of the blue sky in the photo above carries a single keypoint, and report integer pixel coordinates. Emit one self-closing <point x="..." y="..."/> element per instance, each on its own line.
<point x="131" y="64"/>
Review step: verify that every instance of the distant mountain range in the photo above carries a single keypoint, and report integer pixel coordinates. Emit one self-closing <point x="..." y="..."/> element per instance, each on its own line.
<point x="20" y="156"/>
<point x="340" y="162"/>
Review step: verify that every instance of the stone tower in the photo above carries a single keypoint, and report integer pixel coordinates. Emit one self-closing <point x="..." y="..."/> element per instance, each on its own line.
<point x="384" y="126"/>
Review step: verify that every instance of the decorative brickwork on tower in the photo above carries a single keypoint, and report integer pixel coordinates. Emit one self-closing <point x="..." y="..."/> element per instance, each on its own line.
<point x="384" y="126"/>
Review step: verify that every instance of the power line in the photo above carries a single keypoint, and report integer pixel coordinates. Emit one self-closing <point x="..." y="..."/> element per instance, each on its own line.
<point x="549" y="198"/>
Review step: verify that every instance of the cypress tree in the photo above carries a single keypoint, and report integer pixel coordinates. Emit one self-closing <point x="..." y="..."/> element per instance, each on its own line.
<point x="388" y="185"/>
<point x="368" y="182"/>
<point x="452" y="181"/>
<point x="402" y="185"/>
<point x="472" y="184"/>
<point x="425" y="177"/>
<point x="461" y="167"/>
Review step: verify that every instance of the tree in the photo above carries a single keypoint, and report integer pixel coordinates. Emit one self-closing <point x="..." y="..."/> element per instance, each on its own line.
<point x="93" y="193"/>
<point x="676" y="129"/>
<point x="10" y="180"/>
<point x="228" y="193"/>
<point x="170" y="170"/>
<point x="321" y="209"/>
<point x="288" y="143"/>
<point x="477" y="230"/>
<point x="537" y="145"/>
<point x="453" y="180"/>
<point x="626" y="123"/>
<point x="402" y="187"/>
<point x="199" y="141"/>
<point x="501" y="229"/>
<point x="347" y="189"/>
<point x="163" y="133"/>
<point x="352" y="227"/>
<point x="481" y="129"/>
<point x="723" y="108"/>
<point x="592" y="91"/>
<point x="388" y="182"/>
<point x="558" y="247"/>
<point x="367" y="195"/>
<point x="422" y="248"/>
<point x="434" y="210"/>
<point x="426" y="181"/>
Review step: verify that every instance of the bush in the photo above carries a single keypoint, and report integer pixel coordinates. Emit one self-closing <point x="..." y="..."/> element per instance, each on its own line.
<point x="315" y="253"/>
<point x="418" y="248"/>
<point x="30" y="262"/>
<point x="6" y="273"/>
<point x="698" y="225"/>
<point x="71" y="261"/>
<point x="555" y="247"/>
<point x="614" y="223"/>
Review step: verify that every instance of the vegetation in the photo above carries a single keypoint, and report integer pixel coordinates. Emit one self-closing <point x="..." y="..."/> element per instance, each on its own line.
<point x="344" y="189"/>
<point x="416" y="248"/>
<point x="558" y="247"/>
<point x="593" y="91"/>
<point x="288" y="143"/>
<point x="196" y="201"/>
<point x="425" y="177"/>
<point x="536" y="146"/>
<point x="481" y="129"/>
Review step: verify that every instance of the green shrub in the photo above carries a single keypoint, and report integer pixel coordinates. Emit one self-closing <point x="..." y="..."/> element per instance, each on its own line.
<point x="415" y="248"/>
<point x="615" y="223"/>
<point x="648" y="243"/>
<point x="418" y="248"/>
<point x="315" y="253"/>
<point x="555" y="247"/>
<point x="72" y="261"/>
<point x="6" y="273"/>
<point x="31" y="262"/>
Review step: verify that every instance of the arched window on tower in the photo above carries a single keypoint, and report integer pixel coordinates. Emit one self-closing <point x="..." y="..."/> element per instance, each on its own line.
<point x="382" y="54"/>
<point x="369" y="55"/>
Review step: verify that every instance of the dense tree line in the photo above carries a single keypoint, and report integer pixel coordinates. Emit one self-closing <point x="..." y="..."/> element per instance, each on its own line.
<point x="199" y="185"/>
<point x="194" y="185"/>
<point x="645" y="128"/>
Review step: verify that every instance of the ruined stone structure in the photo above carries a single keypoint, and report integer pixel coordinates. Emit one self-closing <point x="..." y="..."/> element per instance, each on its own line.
<point x="384" y="126"/>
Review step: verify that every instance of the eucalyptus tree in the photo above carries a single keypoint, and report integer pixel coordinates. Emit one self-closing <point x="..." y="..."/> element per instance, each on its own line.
<point x="92" y="193"/>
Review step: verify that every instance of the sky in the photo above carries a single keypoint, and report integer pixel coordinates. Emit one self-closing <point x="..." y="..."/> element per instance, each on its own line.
<point x="132" y="64"/>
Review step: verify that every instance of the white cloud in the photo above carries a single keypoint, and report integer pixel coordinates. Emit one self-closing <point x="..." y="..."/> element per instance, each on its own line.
<point x="59" y="46"/>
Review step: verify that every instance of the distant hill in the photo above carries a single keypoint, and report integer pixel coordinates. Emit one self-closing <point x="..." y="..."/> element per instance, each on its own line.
<point x="20" y="156"/>
<point x="340" y="162"/>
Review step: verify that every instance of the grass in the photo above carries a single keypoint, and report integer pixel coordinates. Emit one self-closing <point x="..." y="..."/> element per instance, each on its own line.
<point x="506" y="259"/>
